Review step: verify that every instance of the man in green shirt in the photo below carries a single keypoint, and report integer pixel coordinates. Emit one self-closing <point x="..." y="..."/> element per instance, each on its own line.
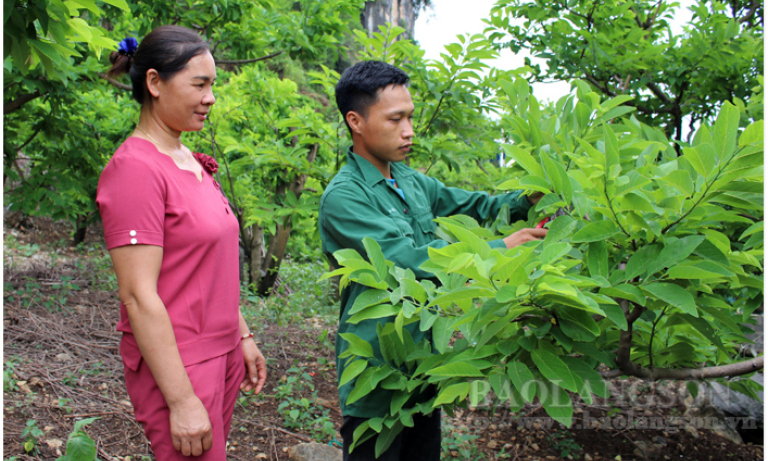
<point x="374" y="195"/>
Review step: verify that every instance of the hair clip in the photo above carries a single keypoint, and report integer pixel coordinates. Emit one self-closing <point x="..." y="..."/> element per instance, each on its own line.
<point x="128" y="46"/>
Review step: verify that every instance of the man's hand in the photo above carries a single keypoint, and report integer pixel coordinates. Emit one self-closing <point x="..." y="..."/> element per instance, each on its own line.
<point x="524" y="235"/>
<point x="255" y="367"/>
<point x="190" y="427"/>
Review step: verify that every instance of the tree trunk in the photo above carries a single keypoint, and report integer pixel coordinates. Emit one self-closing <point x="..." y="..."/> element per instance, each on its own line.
<point x="275" y="255"/>
<point x="273" y="259"/>
<point x="81" y="229"/>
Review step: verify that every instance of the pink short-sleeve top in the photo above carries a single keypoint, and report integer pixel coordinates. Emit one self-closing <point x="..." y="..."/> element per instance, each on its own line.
<point x="145" y="199"/>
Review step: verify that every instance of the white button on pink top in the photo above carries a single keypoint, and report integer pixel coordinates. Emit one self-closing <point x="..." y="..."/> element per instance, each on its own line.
<point x="132" y="233"/>
<point x="133" y="241"/>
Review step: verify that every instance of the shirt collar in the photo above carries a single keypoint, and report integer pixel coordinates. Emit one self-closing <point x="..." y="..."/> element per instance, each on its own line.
<point x="370" y="173"/>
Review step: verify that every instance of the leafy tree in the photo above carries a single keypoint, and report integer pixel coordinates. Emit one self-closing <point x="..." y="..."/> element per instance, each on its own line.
<point x="628" y="48"/>
<point x="633" y="277"/>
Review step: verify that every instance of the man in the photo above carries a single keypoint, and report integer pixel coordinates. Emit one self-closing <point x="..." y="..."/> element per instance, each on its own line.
<point x="376" y="196"/>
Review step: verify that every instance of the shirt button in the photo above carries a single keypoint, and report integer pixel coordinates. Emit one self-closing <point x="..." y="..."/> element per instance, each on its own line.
<point x="405" y="211"/>
<point x="132" y="233"/>
<point x="134" y="241"/>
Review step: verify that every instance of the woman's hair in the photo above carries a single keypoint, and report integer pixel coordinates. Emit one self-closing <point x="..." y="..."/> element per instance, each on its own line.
<point x="166" y="49"/>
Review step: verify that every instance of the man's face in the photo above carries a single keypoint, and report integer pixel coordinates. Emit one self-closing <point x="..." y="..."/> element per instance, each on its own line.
<point x="386" y="133"/>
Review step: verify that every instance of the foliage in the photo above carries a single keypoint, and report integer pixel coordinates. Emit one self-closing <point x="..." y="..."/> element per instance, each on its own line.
<point x="629" y="48"/>
<point x="301" y="412"/>
<point x="297" y="298"/>
<point x="31" y="433"/>
<point x="80" y="447"/>
<point x="635" y="276"/>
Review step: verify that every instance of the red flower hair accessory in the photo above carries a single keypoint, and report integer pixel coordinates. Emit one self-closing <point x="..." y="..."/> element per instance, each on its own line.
<point x="209" y="163"/>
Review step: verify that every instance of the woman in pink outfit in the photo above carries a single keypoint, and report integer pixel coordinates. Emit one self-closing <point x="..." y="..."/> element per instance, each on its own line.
<point x="173" y="240"/>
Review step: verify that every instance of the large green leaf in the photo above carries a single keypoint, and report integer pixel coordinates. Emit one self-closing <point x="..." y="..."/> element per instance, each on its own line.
<point x="367" y="382"/>
<point x="456" y="369"/>
<point x="674" y="252"/>
<point x="595" y="231"/>
<point x="557" y="403"/>
<point x="352" y="371"/>
<point x="376" y="257"/>
<point x="673" y="295"/>
<point x="451" y="393"/>
<point x="357" y="345"/>
<point x="553" y="369"/>
<point x="523" y="380"/>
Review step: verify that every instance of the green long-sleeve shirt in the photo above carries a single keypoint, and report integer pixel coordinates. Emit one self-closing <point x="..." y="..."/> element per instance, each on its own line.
<point x="360" y="203"/>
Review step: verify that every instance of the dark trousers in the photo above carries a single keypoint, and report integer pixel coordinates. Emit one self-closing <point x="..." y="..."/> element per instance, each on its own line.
<point x="418" y="443"/>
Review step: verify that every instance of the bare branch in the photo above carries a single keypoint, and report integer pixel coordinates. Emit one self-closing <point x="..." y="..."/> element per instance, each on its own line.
<point x="248" y="61"/>
<point x="734" y="369"/>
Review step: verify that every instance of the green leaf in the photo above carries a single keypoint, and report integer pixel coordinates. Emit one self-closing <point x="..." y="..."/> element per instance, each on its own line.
<point x="374" y="312"/>
<point x="387" y="436"/>
<point x="699" y="270"/>
<point x="367" y="382"/>
<point x="638" y="263"/>
<point x="595" y="231"/>
<point x="369" y="298"/>
<point x="616" y="315"/>
<point x="80" y="424"/>
<point x="553" y="369"/>
<point x="625" y="291"/>
<point x="357" y="345"/>
<point x="560" y="228"/>
<point x="80" y="447"/>
<point x="597" y="259"/>
<point x="451" y="393"/>
<point x="578" y="324"/>
<point x="753" y="134"/>
<point x="442" y="329"/>
<point x="523" y="380"/>
<point x="122" y="4"/>
<point x="592" y="382"/>
<point x="674" y="252"/>
<point x="725" y="130"/>
<point x="673" y="295"/>
<point x="557" y="403"/>
<point x="352" y="371"/>
<point x="451" y="370"/>
<point x="524" y="159"/>
<point x="376" y="257"/>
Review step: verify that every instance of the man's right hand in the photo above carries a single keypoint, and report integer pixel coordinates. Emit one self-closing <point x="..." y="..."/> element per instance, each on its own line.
<point x="523" y="236"/>
<point x="190" y="427"/>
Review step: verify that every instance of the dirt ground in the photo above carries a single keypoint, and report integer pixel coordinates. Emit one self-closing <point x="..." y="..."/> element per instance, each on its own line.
<point x="62" y="363"/>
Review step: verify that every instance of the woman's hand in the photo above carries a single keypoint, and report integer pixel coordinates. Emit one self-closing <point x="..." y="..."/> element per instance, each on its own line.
<point x="190" y="427"/>
<point x="255" y="367"/>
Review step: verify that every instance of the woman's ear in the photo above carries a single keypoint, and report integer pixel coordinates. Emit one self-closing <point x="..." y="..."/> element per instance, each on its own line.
<point x="153" y="83"/>
<point x="355" y="121"/>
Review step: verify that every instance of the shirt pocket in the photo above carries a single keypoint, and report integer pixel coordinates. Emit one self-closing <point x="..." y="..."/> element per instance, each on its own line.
<point x="402" y="226"/>
<point x="426" y="224"/>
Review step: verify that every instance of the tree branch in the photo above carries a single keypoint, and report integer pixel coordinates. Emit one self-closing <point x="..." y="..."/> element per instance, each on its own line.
<point x="734" y="369"/>
<point x="20" y="101"/>
<point x="248" y="61"/>
<point x="658" y="93"/>
<point x="750" y="13"/>
<point x="114" y="82"/>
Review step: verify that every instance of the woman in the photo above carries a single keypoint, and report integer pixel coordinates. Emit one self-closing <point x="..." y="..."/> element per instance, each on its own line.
<point x="174" y="246"/>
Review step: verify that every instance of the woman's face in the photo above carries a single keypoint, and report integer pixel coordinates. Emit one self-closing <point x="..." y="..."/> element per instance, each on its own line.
<point x="182" y="102"/>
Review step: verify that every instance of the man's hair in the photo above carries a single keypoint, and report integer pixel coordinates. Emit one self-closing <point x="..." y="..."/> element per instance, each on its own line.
<point x="358" y="87"/>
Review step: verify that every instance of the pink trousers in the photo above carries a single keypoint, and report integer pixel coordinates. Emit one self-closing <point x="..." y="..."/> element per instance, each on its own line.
<point x="216" y="383"/>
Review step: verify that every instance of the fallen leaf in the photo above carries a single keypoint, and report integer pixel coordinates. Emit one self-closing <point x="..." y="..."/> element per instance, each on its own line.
<point x="261" y="456"/>
<point x="493" y="444"/>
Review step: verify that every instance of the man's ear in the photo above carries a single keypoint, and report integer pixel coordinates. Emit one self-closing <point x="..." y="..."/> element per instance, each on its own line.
<point x="153" y="83"/>
<point x="355" y="121"/>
